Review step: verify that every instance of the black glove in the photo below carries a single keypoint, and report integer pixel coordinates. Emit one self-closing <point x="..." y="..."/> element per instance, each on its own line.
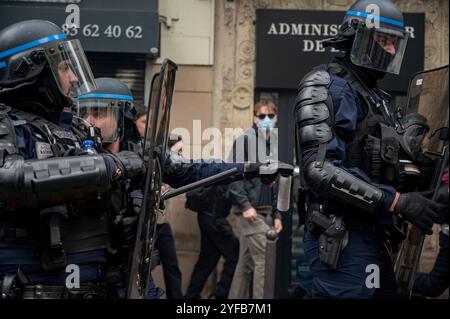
<point x="419" y="209"/>
<point x="127" y="165"/>
<point x="251" y="170"/>
<point x="268" y="172"/>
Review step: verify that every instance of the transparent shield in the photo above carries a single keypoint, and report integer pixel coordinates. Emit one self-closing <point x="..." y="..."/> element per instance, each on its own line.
<point x="428" y="96"/>
<point x="159" y="111"/>
<point x="379" y="49"/>
<point x="70" y="68"/>
<point x="103" y="114"/>
<point x="155" y="144"/>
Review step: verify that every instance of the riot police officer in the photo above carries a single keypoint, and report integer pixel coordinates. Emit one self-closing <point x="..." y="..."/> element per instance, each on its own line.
<point x="349" y="147"/>
<point x="42" y="169"/>
<point x="46" y="180"/>
<point x="110" y="108"/>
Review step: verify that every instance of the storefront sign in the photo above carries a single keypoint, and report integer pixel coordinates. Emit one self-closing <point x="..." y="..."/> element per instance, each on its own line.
<point x="288" y="45"/>
<point x="130" y="26"/>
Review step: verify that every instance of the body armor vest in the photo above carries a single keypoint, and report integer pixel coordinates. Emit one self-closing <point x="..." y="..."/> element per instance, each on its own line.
<point x="338" y="200"/>
<point x="55" y="231"/>
<point x="374" y="146"/>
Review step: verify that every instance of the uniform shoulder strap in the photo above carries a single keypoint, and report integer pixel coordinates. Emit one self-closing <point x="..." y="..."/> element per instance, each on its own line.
<point x="373" y="102"/>
<point x="34" y="120"/>
<point x="61" y="140"/>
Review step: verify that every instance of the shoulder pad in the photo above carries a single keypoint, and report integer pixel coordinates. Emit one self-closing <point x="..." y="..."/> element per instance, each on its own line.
<point x="312" y="114"/>
<point x="315" y="78"/>
<point x="311" y="95"/>
<point x="314" y="106"/>
<point x="315" y="134"/>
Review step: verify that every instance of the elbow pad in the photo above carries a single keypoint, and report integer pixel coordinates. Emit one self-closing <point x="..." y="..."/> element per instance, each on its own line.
<point x="53" y="181"/>
<point x="335" y="183"/>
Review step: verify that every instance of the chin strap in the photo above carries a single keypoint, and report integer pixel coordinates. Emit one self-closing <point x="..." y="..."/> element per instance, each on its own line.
<point x="51" y="101"/>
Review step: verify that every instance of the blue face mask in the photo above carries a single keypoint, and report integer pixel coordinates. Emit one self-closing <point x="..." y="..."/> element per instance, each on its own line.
<point x="267" y="124"/>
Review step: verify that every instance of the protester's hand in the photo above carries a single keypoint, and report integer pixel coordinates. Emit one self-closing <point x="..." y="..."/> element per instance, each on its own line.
<point x="250" y="214"/>
<point x="277" y="225"/>
<point x="419" y="209"/>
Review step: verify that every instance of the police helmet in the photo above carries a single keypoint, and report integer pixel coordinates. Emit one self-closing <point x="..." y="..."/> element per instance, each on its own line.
<point x="374" y="34"/>
<point x="107" y="107"/>
<point x="28" y="47"/>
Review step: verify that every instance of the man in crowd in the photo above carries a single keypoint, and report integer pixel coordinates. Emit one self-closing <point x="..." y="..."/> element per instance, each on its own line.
<point x="253" y="202"/>
<point x="216" y="239"/>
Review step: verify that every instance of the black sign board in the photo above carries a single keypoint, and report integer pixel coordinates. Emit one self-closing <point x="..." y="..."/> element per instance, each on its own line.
<point x="288" y="46"/>
<point x="130" y="26"/>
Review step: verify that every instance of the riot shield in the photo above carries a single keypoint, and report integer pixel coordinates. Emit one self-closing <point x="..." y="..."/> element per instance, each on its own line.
<point x="428" y="95"/>
<point x="155" y="143"/>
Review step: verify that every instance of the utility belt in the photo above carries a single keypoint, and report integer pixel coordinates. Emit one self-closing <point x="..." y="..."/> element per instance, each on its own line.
<point x="86" y="291"/>
<point x="54" y="235"/>
<point x="264" y="210"/>
<point x="333" y="230"/>
<point x="14" y="233"/>
<point x="18" y="286"/>
<point x="261" y="210"/>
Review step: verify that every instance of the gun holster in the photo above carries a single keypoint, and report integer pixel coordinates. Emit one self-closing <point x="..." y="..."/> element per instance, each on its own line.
<point x="53" y="255"/>
<point x="333" y="235"/>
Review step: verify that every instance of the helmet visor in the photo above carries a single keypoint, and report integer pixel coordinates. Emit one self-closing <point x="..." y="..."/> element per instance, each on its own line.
<point x="70" y="68"/>
<point x="104" y="114"/>
<point x="412" y="139"/>
<point x="379" y="48"/>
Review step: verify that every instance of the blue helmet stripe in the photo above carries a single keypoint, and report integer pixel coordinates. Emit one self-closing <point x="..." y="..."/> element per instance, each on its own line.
<point x="381" y="19"/>
<point x="32" y="44"/>
<point x="105" y="96"/>
<point x="2" y="64"/>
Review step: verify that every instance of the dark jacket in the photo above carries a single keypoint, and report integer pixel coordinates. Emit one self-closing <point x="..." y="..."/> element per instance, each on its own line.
<point x="252" y="192"/>
<point x="212" y="200"/>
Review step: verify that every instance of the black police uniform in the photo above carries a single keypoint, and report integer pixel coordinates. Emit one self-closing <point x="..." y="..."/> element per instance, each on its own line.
<point x="52" y="195"/>
<point x="350" y="149"/>
<point x="45" y="182"/>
